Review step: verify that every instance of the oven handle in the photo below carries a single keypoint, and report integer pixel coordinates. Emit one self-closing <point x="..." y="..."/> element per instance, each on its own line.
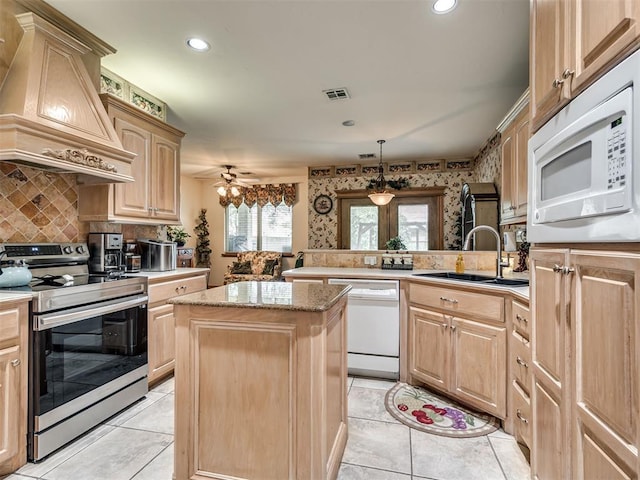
<point x="50" y="320"/>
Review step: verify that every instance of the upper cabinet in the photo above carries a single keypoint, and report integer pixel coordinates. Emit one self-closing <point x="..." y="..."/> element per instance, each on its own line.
<point x="154" y="196"/>
<point x="514" y="140"/>
<point x="573" y="42"/>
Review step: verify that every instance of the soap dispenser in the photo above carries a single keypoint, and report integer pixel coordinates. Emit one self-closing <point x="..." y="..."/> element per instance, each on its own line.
<point x="460" y="264"/>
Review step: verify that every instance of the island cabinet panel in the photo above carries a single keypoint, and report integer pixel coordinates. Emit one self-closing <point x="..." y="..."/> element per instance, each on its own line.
<point x="231" y="417"/>
<point x="457" y="344"/>
<point x="13" y="385"/>
<point x="260" y="393"/>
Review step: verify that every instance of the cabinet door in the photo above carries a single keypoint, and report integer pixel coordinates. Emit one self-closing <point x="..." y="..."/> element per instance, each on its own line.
<point x="162" y="350"/>
<point x="605" y="369"/>
<point x="550" y="450"/>
<point x="429" y="359"/>
<point x="10" y="413"/>
<point x="548" y="56"/>
<point x="506" y="196"/>
<point x="479" y="365"/>
<point x="520" y="174"/>
<point x="132" y="199"/>
<point x="601" y="32"/>
<point x="165" y="179"/>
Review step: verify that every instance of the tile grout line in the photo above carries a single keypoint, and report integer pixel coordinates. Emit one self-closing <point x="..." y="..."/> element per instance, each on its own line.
<point x="497" y="458"/>
<point x="147" y="464"/>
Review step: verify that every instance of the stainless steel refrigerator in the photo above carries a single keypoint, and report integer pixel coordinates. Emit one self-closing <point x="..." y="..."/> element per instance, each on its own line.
<point x="480" y="205"/>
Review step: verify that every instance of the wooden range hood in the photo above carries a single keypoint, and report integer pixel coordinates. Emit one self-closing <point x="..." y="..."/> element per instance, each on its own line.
<point x="50" y="114"/>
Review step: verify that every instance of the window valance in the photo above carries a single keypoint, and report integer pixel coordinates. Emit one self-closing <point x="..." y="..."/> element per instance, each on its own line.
<point x="261" y="194"/>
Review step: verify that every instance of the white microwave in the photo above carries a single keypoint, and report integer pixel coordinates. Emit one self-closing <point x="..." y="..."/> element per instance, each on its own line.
<point x="584" y="165"/>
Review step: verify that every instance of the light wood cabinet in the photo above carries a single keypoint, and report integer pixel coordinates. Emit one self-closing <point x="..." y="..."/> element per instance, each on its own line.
<point x="585" y="404"/>
<point x="161" y="321"/>
<point x="514" y="142"/>
<point x="13" y="385"/>
<point x="154" y="196"/>
<point x="573" y="42"/>
<point x="457" y="343"/>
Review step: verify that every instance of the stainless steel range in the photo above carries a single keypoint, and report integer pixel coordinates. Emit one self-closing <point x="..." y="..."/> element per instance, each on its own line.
<point x="88" y="342"/>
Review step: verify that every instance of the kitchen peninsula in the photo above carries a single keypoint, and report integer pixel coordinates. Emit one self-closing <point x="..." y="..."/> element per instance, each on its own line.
<point x="261" y="379"/>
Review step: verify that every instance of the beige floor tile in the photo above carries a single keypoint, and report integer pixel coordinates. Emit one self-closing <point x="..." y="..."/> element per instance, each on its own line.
<point x="55" y="459"/>
<point x="513" y="462"/>
<point x="149" y="399"/>
<point x="160" y="468"/>
<point x="168" y="386"/>
<point x="157" y="417"/>
<point x="373" y="383"/>
<point x="117" y="456"/>
<point x="446" y="458"/>
<point x="379" y="445"/>
<point x="368" y="403"/>
<point x="356" y="472"/>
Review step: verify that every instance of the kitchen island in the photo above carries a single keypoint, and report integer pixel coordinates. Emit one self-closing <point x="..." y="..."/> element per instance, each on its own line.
<point x="261" y="381"/>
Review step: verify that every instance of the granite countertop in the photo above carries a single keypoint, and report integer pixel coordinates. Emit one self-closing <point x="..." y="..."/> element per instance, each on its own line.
<point x="13" y="296"/>
<point x="379" y="274"/>
<point x="305" y="297"/>
<point x="178" y="272"/>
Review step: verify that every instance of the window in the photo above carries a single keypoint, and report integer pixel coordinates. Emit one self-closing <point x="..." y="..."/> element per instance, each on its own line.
<point x="258" y="228"/>
<point x="414" y="215"/>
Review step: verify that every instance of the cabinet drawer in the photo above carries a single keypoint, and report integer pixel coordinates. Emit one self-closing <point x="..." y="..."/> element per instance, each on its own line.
<point x="163" y="291"/>
<point x="521" y="318"/>
<point x="458" y="302"/>
<point x="9" y="324"/>
<point x="521" y="361"/>
<point x="521" y="415"/>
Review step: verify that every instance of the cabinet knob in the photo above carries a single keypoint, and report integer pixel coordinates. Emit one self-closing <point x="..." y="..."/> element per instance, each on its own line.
<point x="557" y="82"/>
<point x="520" y="318"/>
<point x="444" y="325"/>
<point x="567" y="73"/>
<point x="519" y="415"/>
<point x="557" y="268"/>
<point x="520" y="361"/>
<point x="15" y="362"/>
<point x="453" y="328"/>
<point x="568" y="270"/>
<point x="178" y="289"/>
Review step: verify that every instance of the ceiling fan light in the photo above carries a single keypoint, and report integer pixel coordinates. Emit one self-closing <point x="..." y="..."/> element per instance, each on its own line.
<point x="221" y="191"/>
<point x="381" y="198"/>
<point x="234" y="191"/>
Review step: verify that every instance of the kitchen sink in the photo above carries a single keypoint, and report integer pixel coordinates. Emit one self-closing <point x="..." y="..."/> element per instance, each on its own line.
<point x="469" y="277"/>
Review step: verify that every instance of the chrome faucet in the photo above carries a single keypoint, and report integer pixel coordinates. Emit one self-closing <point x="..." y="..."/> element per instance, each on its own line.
<point x="499" y="262"/>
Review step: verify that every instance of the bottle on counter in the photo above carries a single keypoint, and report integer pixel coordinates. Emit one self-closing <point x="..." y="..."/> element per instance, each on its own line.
<point x="460" y="264"/>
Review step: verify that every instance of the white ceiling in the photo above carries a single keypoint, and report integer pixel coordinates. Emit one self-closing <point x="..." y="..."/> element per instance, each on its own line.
<point x="433" y="86"/>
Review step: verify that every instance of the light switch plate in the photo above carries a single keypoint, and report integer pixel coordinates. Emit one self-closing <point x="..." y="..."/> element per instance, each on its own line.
<point x="369" y="260"/>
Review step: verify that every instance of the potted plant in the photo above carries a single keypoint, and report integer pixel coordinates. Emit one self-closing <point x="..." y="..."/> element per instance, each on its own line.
<point x="178" y="235"/>
<point x="395" y="243"/>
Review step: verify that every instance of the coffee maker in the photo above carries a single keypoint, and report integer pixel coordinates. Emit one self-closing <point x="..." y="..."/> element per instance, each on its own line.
<point x="105" y="253"/>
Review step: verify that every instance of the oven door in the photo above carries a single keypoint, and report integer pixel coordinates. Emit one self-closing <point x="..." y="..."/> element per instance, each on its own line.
<point x="83" y="355"/>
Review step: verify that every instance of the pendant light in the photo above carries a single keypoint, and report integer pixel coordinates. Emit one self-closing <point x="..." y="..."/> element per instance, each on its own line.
<point x="380" y="195"/>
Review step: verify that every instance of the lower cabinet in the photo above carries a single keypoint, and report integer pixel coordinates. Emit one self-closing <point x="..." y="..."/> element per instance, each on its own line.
<point x="461" y="356"/>
<point x="13" y="385"/>
<point x="585" y="400"/>
<point x="161" y="321"/>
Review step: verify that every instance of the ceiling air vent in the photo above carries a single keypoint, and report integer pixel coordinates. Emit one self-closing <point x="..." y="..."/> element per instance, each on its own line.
<point x="365" y="156"/>
<point x="337" y="94"/>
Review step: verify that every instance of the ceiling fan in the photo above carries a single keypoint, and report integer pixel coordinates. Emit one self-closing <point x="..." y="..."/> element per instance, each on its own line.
<point x="229" y="182"/>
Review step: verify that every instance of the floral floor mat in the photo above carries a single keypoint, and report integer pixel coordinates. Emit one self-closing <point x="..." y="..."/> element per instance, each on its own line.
<point x="423" y="410"/>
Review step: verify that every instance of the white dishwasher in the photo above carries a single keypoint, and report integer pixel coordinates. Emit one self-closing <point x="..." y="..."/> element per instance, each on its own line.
<point x="373" y="327"/>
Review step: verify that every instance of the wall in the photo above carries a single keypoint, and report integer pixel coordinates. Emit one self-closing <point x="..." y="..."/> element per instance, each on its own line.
<point x="323" y="229"/>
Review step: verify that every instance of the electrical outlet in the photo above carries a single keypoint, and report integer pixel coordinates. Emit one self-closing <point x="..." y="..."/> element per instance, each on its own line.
<point x="369" y="260"/>
<point x="521" y="235"/>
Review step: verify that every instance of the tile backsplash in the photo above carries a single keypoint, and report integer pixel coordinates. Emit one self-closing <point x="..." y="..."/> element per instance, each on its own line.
<point x="38" y="206"/>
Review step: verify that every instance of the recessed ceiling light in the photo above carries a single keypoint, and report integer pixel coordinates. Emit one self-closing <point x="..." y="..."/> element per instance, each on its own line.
<point x="198" y="44"/>
<point x="348" y="123"/>
<point x="444" y="6"/>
